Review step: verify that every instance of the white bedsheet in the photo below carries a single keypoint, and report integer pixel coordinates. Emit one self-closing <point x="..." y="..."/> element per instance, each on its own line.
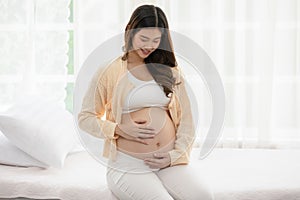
<point x="81" y="178"/>
<point x="233" y="174"/>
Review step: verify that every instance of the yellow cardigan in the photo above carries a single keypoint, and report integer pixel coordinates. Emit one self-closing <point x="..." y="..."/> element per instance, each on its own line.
<point x="106" y="94"/>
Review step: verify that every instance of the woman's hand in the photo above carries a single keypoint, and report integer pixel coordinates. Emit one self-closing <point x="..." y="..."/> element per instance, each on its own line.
<point x="160" y="160"/>
<point x="136" y="132"/>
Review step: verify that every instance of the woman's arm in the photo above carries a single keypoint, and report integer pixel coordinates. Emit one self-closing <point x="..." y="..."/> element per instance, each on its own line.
<point x="185" y="134"/>
<point x="93" y="109"/>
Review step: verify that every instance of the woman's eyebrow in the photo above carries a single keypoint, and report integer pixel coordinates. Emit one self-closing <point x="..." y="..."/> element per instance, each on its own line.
<point x="149" y="38"/>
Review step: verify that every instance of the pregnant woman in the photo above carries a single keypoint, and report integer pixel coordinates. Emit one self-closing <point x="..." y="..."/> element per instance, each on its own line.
<point x="148" y="126"/>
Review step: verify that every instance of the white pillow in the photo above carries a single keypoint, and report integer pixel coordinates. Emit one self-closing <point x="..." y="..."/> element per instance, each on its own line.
<point x="12" y="155"/>
<point x="41" y="128"/>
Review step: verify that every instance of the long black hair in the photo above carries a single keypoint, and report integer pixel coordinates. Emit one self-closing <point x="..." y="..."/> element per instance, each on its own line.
<point x="160" y="61"/>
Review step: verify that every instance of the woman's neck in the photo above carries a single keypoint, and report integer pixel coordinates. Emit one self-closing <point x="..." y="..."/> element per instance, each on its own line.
<point x="134" y="59"/>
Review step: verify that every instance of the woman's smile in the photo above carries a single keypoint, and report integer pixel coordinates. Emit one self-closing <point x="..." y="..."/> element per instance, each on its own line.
<point x="145" y="52"/>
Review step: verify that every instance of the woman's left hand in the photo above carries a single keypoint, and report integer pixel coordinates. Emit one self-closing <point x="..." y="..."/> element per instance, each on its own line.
<point x="160" y="160"/>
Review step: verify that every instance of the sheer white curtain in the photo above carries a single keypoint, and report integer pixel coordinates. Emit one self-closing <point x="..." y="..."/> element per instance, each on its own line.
<point x="33" y="47"/>
<point x="255" y="45"/>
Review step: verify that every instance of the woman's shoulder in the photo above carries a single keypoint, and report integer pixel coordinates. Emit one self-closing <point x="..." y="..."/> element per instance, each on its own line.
<point x="114" y="66"/>
<point x="111" y="68"/>
<point x="107" y="71"/>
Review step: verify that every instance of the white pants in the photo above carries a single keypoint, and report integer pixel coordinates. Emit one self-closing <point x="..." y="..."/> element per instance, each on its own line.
<point x="130" y="178"/>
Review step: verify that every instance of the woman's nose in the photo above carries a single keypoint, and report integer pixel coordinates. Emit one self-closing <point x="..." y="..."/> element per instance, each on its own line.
<point x="149" y="46"/>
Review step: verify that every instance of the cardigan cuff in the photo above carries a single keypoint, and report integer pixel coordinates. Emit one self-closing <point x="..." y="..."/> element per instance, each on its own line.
<point x="178" y="157"/>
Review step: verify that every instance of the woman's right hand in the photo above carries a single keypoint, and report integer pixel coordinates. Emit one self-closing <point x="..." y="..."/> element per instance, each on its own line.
<point x="136" y="132"/>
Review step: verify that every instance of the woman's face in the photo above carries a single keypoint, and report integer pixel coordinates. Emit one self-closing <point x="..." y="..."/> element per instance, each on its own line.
<point x="145" y="41"/>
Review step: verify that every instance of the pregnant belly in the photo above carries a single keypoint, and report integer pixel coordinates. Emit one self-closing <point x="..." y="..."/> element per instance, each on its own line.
<point x="163" y="141"/>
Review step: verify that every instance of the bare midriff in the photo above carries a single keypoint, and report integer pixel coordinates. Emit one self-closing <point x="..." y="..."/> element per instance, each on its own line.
<point x="156" y="118"/>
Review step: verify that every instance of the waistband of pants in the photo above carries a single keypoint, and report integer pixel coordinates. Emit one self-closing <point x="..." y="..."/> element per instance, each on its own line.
<point x="128" y="163"/>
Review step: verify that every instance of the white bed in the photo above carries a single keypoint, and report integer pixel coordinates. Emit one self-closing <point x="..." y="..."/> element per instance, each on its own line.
<point x="233" y="174"/>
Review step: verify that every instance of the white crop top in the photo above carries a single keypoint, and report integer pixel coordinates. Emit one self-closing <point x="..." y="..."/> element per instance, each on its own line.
<point x="145" y="94"/>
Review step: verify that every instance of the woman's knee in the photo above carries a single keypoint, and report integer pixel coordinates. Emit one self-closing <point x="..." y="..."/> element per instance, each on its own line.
<point x="190" y="186"/>
<point x="191" y="192"/>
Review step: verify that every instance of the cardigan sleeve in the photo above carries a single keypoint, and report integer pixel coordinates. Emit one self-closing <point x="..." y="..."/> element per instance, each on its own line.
<point x="93" y="109"/>
<point x="185" y="134"/>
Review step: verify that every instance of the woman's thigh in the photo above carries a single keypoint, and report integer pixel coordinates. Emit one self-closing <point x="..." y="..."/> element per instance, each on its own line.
<point x="137" y="186"/>
<point x="183" y="182"/>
